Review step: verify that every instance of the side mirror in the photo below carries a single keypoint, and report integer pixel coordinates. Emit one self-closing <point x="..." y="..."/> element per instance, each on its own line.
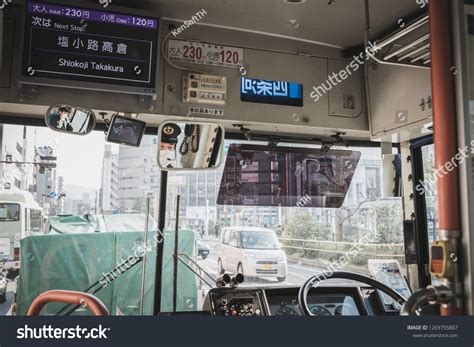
<point x="70" y="119"/>
<point x="190" y="146"/>
<point x="391" y="175"/>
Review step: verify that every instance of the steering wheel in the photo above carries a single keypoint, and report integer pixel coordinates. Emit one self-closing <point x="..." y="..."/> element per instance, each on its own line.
<point x="316" y="279"/>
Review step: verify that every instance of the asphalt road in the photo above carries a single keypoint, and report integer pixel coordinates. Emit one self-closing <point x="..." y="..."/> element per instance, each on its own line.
<point x="297" y="274"/>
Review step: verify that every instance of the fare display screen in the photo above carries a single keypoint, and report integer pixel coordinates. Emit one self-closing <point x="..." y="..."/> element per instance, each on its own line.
<point x="271" y="92"/>
<point x="69" y="43"/>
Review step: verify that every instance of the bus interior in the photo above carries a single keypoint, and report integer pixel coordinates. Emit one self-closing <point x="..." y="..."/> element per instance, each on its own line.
<point x="236" y="157"/>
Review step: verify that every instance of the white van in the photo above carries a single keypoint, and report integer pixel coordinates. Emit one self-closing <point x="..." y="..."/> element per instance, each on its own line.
<point x="254" y="252"/>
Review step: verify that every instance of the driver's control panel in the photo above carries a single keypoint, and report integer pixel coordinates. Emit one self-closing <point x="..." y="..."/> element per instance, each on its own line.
<point x="232" y="302"/>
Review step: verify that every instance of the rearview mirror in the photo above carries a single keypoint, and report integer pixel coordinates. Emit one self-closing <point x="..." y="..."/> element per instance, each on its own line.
<point x="190" y="146"/>
<point x="70" y="119"/>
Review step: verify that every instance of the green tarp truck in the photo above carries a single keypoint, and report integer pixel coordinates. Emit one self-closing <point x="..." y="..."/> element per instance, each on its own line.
<point x="75" y="261"/>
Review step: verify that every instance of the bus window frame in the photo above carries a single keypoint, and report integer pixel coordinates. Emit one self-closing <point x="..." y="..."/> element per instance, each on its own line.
<point x="421" y="212"/>
<point x="26" y="226"/>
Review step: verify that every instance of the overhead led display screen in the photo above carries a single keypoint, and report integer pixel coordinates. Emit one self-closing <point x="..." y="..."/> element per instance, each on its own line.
<point x="271" y="92"/>
<point x="95" y="48"/>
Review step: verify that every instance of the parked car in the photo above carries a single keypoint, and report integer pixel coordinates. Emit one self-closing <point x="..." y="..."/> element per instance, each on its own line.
<point x="254" y="252"/>
<point x="3" y="287"/>
<point x="202" y="246"/>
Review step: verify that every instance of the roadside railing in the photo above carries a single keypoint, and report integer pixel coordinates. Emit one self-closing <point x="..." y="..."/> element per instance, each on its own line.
<point x="358" y="253"/>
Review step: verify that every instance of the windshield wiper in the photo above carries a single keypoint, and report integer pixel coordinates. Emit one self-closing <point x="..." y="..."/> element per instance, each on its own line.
<point x="185" y="255"/>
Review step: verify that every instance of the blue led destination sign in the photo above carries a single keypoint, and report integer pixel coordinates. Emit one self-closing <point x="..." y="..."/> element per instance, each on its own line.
<point x="271" y="92"/>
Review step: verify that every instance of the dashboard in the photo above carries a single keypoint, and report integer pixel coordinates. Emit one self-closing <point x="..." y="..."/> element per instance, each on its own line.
<point x="280" y="301"/>
<point x="319" y="305"/>
<point x="231" y="302"/>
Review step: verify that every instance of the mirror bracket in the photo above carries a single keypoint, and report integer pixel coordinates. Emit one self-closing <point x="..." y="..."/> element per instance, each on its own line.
<point x="245" y="131"/>
<point x="273" y="142"/>
<point x="106" y="122"/>
<point x="336" y="140"/>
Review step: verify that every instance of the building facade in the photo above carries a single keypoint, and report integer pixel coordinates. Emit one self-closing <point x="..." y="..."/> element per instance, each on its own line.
<point x="14" y="150"/>
<point x="108" y="199"/>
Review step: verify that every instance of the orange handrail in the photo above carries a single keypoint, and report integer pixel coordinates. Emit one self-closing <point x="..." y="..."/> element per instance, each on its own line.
<point x="68" y="297"/>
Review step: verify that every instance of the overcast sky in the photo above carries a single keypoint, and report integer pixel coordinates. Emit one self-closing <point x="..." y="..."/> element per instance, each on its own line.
<point x="79" y="157"/>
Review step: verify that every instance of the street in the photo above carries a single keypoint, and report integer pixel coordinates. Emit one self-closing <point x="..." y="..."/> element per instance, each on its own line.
<point x="297" y="274"/>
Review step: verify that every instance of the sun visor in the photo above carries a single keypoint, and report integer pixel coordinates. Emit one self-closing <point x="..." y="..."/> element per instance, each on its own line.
<point x="284" y="176"/>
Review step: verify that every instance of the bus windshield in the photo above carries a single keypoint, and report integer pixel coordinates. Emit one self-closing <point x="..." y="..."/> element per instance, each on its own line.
<point x="300" y="238"/>
<point x="106" y="186"/>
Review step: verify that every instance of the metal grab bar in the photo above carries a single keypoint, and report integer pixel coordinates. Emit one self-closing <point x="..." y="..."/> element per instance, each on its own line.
<point x="398" y="35"/>
<point x="391" y="39"/>
<point x="407" y="47"/>
<point x="68" y="297"/>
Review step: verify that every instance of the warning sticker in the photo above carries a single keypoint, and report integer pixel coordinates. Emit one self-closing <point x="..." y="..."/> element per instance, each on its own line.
<point x="206" y="111"/>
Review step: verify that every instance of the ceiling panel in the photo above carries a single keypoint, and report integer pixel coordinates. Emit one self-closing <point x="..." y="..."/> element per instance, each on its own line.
<point x="333" y="22"/>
